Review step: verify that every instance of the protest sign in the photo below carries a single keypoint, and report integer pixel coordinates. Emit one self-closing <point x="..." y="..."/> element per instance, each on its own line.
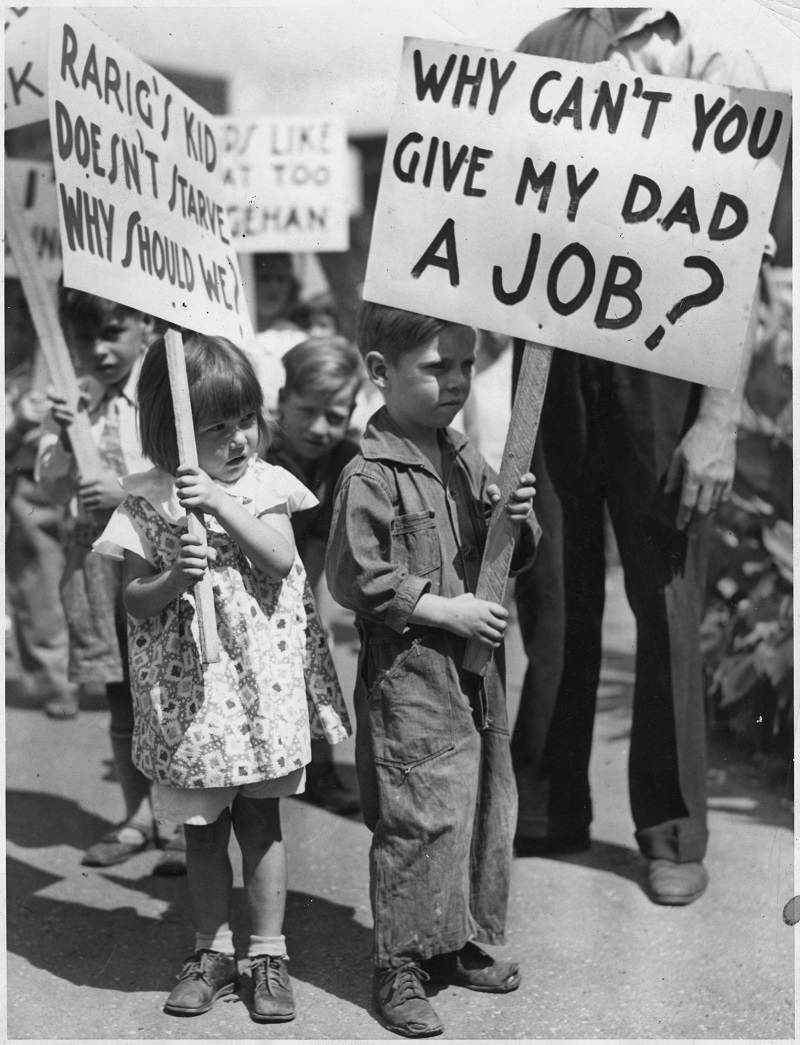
<point x="26" y="65"/>
<point x="579" y="206"/>
<point x="140" y="194"/>
<point x="42" y="308"/>
<point x="32" y="184"/>
<point x="286" y="182"/>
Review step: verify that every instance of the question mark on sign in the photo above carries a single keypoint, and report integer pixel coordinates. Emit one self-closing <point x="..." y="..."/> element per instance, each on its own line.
<point x="704" y="297"/>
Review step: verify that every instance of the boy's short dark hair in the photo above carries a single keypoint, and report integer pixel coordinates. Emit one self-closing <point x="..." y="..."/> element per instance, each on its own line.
<point x="393" y="331"/>
<point x="81" y="308"/>
<point x="323" y="365"/>
<point x="222" y="383"/>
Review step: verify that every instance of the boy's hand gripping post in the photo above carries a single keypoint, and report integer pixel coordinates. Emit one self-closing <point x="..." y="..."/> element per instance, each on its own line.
<point x="51" y="339"/>
<point x="187" y="453"/>
<point x="496" y="562"/>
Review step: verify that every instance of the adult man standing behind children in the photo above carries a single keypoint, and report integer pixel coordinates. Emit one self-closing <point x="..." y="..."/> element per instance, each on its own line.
<point x="660" y="453"/>
<point x="432" y="753"/>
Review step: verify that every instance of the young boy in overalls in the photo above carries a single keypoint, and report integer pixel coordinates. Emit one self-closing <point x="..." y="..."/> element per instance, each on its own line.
<point x="432" y="751"/>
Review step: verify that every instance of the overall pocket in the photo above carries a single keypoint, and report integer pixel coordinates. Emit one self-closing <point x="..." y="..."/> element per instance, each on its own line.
<point x="409" y="705"/>
<point x="415" y="542"/>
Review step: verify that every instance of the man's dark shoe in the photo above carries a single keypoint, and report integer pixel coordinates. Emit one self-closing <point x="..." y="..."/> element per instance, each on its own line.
<point x="400" y="1001"/>
<point x="329" y="792"/>
<point x="474" y="969"/>
<point x="675" y="885"/>
<point x="561" y="844"/>
<point x="273" y="1000"/>
<point x="121" y="842"/>
<point x="206" y="976"/>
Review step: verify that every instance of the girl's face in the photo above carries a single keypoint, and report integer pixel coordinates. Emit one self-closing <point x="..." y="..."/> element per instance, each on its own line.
<point x="225" y="445"/>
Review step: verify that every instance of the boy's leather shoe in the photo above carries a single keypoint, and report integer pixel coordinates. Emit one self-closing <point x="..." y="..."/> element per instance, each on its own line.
<point x="674" y="884"/>
<point x="121" y="842"/>
<point x="400" y="1001"/>
<point x="474" y="969"/>
<point x="206" y="976"/>
<point x="63" y="705"/>
<point x="273" y="1000"/>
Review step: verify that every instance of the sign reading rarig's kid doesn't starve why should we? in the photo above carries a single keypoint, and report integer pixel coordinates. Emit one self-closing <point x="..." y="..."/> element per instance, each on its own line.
<point x="141" y="199"/>
<point x="578" y="206"/>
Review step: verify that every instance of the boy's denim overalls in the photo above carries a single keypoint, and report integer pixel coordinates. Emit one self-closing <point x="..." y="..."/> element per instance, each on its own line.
<point x="432" y="753"/>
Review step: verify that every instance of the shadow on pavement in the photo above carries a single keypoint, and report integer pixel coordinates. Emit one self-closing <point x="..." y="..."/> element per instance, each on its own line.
<point x="603" y="856"/>
<point x="121" y="949"/>
<point x="35" y="820"/>
<point x="111" y="949"/>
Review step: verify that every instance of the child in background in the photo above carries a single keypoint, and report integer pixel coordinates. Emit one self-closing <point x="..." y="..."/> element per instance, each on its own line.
<point x="323" y="376"/>
<point x="432" y="749"/>
<point x="222" y="742"/>
<point x="35" y="540"/>
<point x="108" y="341"/>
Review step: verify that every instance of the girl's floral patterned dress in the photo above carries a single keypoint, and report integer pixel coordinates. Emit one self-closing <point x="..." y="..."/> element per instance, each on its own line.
<point x="249" y="717"/>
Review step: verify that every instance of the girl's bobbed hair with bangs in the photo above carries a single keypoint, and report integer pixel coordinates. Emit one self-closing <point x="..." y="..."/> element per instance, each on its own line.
<point x="222" y="385"/>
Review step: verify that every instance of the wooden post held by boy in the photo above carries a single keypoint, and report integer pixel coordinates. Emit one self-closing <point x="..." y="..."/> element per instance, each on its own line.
<point x="522" y="429"/>
<point x="187" y="453"/>
<point x="53" y="345"/>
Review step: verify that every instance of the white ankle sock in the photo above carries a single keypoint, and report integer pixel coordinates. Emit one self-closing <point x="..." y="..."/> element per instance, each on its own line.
<point x="221" y="941"/>
<point x="260" y="946"/>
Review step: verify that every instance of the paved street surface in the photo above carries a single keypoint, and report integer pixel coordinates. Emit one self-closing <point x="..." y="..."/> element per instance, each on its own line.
<point x="92" y="954"/>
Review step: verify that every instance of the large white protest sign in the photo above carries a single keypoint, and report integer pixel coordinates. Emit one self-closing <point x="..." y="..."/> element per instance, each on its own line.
<point x="32" y="184"/>
<point x="26" y="65"/>
<point x="578" y="206"/>
<point x="286" y="180"/>
<point x="140" y="193"/>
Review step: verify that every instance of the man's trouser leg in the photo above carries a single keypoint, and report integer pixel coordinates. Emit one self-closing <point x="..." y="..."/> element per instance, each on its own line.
<point x="665" y="582"/>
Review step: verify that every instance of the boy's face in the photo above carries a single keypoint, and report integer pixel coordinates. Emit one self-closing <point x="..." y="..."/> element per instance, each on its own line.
<point x="427" y="387"/>
<point x="314" y="423"/>
<point x="108" y="350"/>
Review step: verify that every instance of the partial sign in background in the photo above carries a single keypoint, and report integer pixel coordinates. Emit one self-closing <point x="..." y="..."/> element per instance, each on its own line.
<point x="141" y="199"/>
<point x="32" y="184"/>
<point x="287" y="183"/>
<point x="25" y="92"/>
<point x="578" y="206"/>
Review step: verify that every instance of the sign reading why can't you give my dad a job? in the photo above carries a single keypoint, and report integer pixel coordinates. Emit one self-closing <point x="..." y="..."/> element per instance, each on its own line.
<point x="140" y="192"/>
<point x="286" y="183"/>
<point x="578" y="206"/>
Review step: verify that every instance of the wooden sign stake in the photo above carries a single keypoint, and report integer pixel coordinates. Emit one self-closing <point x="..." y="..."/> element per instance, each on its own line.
<point x="496" y="563"/>
<point x="187" y="452"/>
<point x="51" y="339"/>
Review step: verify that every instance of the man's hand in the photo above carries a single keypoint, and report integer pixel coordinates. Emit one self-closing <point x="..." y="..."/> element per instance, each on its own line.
<point x="702" y="467"/>
<point x="477" y="619"/>
<point x="100" y="494"/>
<point x="197" y="490"/>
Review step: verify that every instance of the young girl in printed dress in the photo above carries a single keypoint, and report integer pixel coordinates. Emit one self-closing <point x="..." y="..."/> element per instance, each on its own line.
<point x="222" y="742"/>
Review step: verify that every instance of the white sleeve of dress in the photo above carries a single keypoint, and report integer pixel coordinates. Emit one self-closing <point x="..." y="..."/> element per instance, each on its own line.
<point x="282" y="491"/>
<point x="124" y="533"/>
